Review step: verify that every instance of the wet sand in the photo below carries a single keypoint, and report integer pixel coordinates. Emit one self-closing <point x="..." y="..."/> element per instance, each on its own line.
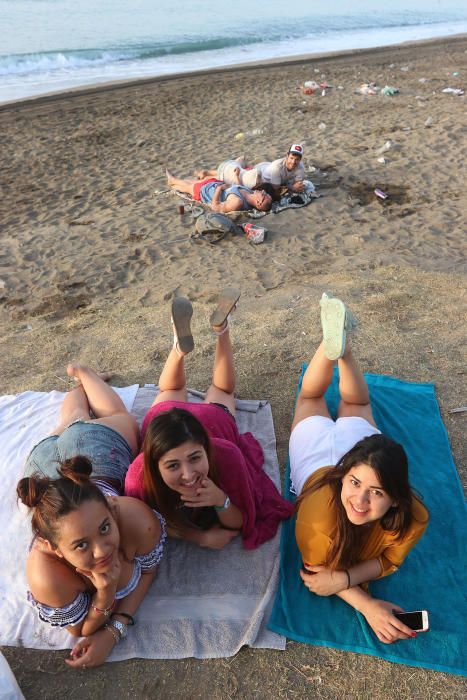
<point x="91" y="257"/>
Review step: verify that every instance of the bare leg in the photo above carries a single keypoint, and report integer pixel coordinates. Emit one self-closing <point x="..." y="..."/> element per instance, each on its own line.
<point x="95" y="395"/>
<point x="355" y="398"/>
<point x="204" y="173"/>
<point x="181" y="185"/>
<point x="172" y="381"/>
<point x="102" y="399"/>
<point x="316" y="380"/>
<point x="223" y="374"/>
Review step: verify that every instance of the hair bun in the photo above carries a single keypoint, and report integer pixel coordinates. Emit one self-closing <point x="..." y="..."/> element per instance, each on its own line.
<point x="30" y="489"/>
<point x="77" y="469"/>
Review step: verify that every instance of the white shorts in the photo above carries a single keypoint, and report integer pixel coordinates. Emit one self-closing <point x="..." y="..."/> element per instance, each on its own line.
<point x="318" y="442"/>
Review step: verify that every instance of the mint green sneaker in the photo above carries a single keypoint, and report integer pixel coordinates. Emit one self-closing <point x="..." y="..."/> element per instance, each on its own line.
<point x="336" y="321"/>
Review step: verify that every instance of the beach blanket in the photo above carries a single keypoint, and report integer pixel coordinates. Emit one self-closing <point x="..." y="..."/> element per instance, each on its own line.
<point x="291" y="200"/>
<point x="433" y="577"/>
<point x="203" y="603"/>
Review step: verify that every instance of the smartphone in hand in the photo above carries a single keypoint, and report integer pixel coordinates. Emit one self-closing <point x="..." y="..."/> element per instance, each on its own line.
<point x="417" y="620"/>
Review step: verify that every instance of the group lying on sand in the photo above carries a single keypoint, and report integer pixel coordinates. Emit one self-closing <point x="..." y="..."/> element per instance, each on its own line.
<point x="233" y="187"/>
<point x="103" y="503"/>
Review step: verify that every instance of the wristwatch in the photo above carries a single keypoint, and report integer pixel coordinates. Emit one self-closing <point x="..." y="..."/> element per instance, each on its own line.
<point x="120" y="627"/>
<point x="225" y="505"/>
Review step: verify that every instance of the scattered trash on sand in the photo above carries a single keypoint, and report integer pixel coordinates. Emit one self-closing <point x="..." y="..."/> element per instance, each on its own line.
<point x="456" y="73"/>
<point x="389" y="91"/>
<point x="388" y="146"/>
<point x="404" y="69"/>
<point x="379" y="193"/>
<point x="322" y="126"/>
<point x="309" y="87"/>
<point x="423" y="80"/>
<point x="367" y="89"/>
<point x="383" y="160"/>
<point x="255" y="234"/>
<point x="239" y="136"/>
<point x="429" y="122"/>
<point x="453" y="91"/>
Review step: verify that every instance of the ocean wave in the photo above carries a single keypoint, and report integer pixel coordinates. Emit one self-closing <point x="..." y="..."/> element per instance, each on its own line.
<point x="68" y="61"/>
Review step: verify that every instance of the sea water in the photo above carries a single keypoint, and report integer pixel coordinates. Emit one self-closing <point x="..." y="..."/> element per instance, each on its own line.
<point x="53" y="45"/>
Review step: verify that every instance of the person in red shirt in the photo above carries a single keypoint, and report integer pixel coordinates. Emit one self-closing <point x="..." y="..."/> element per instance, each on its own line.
<point x="206" y="478"/>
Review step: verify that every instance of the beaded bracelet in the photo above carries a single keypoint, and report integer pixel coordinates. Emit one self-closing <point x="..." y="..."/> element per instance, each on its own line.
<point x="115" y="634"/>
<point x="104" y="611"/>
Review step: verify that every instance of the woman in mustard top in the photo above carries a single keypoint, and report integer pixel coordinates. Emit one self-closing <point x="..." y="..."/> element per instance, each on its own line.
<point x="357" y="517"/>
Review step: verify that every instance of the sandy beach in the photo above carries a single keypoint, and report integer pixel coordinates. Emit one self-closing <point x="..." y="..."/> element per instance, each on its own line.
<point x="91" y="257"/>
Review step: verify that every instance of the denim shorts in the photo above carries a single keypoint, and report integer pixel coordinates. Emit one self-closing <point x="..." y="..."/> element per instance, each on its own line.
<point x="108" y="451"/>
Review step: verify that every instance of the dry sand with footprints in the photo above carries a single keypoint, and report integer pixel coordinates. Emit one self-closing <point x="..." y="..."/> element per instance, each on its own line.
<point x="90" y="258"/>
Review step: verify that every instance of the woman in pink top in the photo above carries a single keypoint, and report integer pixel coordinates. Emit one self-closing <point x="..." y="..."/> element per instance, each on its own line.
<point x="205" y="477"/>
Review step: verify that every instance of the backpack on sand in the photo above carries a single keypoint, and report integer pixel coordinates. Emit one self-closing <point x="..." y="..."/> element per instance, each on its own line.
<point x="213" y="227"/>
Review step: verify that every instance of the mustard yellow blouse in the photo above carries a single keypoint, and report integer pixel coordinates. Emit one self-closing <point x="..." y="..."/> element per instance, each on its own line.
<point x="316" y="526"/>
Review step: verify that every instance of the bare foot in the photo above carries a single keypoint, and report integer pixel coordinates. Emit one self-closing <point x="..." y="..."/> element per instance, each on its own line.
<point x="74" y="372"/>
<point x="170" y="178"/>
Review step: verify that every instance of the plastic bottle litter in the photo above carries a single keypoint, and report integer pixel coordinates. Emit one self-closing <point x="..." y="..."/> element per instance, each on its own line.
<point x="456" y="72"/>
<point x="379" y="193"/>
<point x="255" y="132"/>
<point x="323" y="93"/>
<point x="386" y="147"/>
<point x="255" y="234"/>
<point x="453" y="91"/>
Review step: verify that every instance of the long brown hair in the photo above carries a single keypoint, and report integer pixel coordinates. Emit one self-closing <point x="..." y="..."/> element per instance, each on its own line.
<point x="51" y="499"/>
<point x="166" y="431"/>
<point x="389" y="461"/>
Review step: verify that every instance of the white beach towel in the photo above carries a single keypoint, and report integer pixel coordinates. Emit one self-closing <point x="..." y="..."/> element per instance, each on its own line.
<point x="203" y="603"/>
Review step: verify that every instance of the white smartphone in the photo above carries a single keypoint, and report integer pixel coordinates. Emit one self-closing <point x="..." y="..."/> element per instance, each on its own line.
<point x="417" y="620"/>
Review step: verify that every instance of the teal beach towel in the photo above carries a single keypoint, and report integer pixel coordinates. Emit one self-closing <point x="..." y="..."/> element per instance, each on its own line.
<point x="433" y="577"/>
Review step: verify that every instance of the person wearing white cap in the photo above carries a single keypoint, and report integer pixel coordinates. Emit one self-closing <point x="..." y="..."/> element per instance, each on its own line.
<point x="284" y="172"/>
